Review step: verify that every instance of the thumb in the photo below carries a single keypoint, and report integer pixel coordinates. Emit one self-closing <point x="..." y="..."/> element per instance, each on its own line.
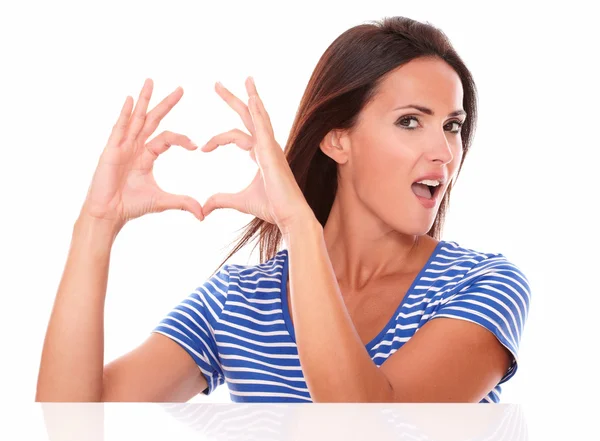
<point x="222" y="200"/>
<point x="169" y="201"/>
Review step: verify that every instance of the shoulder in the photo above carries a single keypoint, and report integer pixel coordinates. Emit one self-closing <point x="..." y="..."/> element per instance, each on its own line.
<point x="271" y="269"/>
<point x="451" y="251"/>
<point x="478" y="264"/>
<point x="482" y="280"/>
<point x="492" y="288"/>
<point x="256" y="283"/>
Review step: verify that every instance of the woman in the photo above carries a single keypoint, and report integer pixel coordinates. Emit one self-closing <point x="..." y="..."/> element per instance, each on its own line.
<point x="358" y="196"/>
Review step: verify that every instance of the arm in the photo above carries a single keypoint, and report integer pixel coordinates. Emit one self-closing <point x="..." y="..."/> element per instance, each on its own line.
<point x="77" y="320"/>
<point x="122" y="188"/>
<point x="447" y="360"/>
<point x="72" y="367"/>
<point x="159" y="370"/>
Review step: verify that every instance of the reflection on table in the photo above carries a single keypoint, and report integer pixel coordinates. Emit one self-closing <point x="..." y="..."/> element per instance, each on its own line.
<point x="265" y="422"/>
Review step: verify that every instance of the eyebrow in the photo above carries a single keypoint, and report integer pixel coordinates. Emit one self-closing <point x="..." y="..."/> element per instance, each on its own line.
<point x="429" y="111"/>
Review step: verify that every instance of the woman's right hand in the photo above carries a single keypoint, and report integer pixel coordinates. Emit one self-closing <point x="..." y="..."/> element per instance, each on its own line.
<point x="123" y="187"/>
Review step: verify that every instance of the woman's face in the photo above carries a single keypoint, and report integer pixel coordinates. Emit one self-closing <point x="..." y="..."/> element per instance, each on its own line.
<point x="409" y="132"/>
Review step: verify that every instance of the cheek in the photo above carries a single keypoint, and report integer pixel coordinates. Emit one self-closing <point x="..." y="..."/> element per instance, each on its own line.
<point x="379" y="170"/>
<point x="382" y="153"/>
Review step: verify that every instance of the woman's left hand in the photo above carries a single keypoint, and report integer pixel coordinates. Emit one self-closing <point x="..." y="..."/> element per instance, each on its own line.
<point x="273" y="195"/>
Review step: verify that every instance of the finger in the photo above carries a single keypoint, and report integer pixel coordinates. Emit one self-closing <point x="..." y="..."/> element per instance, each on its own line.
<point x="261" y="111"/>
<point x="264" y="136"/>
<point x="161" y="144"/>
<point x="139" y="113"/>
<point x="265" y="144"/>
<point x="235" y="136"/>
<point x="223" y="200"/>
<point x="251" y="86"/>
<point x="155" y="116"/>
<point x="262" y="123"/>
<point x="251" y="89"/>
<point x="169" y="201"/>
<point x="120" y="126"/>
<point x="236" y="104"/>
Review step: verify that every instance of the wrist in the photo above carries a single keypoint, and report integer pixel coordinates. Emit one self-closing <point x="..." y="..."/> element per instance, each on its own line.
<point x="306" y="225"/>
<point x="99" y="234"/>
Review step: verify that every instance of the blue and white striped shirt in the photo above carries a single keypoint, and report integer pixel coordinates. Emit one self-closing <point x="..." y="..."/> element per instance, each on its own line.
<point x="237" y="325"/>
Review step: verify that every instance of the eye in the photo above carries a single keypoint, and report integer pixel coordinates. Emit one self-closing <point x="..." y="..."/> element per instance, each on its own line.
<point x="405" y="121"/>
<point x="458" y="126"/>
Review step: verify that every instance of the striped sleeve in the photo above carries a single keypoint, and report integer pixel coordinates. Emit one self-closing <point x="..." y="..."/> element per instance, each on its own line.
<point x="192" y="322"/>
<point x="497" y="297"/>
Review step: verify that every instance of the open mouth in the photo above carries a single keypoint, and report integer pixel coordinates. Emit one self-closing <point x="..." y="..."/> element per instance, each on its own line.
<point x="426" y="189"/>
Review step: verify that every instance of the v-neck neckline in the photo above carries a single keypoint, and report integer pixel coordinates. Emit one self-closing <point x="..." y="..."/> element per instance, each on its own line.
<point x="286" y="310"/>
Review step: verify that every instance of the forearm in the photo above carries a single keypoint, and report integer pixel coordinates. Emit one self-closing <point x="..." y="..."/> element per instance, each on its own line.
<point x="72" y="359"/>
<point x="335" y="363"/>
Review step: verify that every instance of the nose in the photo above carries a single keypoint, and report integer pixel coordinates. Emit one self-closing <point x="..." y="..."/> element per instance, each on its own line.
<point x="440" y="148"/>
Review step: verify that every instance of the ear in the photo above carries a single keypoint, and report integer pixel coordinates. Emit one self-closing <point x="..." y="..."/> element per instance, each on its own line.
<point x="335" y="145"/>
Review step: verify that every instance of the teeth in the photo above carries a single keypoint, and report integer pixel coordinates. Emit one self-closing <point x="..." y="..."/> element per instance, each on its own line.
<point x="429" y="182"/>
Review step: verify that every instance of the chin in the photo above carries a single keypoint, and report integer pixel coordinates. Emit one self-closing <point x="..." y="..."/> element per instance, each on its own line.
<point x="414" y="222"/>
<point x="420" y="231"/>
<point x="413" y="228"/>
<point x="418" y="227"/>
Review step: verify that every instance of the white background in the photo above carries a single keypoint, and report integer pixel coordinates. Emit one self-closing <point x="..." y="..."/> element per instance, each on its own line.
<point x="527" y="189"/>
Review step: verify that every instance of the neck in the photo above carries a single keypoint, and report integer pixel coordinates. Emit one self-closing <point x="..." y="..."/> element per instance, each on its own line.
<point x="363" y="250"/>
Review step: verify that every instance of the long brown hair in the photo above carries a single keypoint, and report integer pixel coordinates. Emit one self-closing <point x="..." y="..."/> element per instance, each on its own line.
<point x="344" y="80"/>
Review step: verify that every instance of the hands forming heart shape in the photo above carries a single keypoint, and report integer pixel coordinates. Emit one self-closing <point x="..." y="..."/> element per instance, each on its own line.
<point x="123" y="186"/>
